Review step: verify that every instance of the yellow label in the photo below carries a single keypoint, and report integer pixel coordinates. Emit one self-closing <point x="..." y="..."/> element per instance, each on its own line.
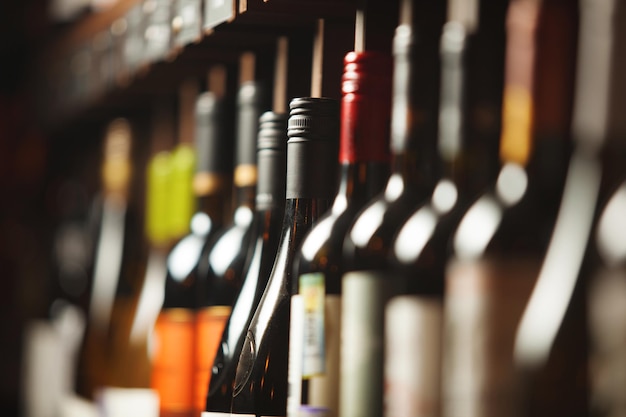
<point x="313" y="292"/>
<point x="157" y="196"/>
<point x="116" y="169"/>
<point x="181" y="198"/>
<point x="205" y="183"/>
<point x="517" y="121"/>
<point x="245" y="175"/>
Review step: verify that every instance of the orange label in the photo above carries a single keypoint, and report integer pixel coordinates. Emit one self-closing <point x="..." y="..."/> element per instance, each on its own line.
<point x="172" y="373"/>
<point x="210" y="323"/>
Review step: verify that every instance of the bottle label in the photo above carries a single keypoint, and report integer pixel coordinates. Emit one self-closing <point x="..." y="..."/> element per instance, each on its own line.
<point x="188" y="22"/>
<point x="236" y="415"/>
<point x="218" y="11"/>
<point x="313" y="293"/>
<point x="323" y="386"/>
<point x="484" y="302"/>
<point x="412" y="380"/>
<point x="172" y="372"/>
<point x="296" y="342"/>
<point x="364" y="296"/>
<point x="210" y="323"/>
<point x="139" y="402"/>
<point x="607" y="321"/>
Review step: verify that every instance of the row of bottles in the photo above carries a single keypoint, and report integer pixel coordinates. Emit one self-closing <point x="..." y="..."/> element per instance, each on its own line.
<point x="423" y="247"/>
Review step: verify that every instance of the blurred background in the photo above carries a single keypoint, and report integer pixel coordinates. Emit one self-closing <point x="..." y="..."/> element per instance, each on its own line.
<point x="69" y="67"/>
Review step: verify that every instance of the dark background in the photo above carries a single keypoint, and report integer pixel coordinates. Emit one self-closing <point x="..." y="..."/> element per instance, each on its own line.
<point x="23" y="209"/>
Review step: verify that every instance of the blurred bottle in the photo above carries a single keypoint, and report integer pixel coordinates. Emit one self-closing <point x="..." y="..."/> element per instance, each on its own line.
<point x="73" y="250"/>
<point x="221" y="269"/>
<point x="587" y="250"/>
<point x="502" y="238"/>
<point x="261" y="378"/>
<point x="108" y="358"/>
<point x="364" y="161"/>
<point x="172" y="368"/>
<point x="52" y="343"/>
<point x="413" y="321"/>
<point x="366" y="282"/>
<point x="173" y="372"/>
<point x="269" y="211"/>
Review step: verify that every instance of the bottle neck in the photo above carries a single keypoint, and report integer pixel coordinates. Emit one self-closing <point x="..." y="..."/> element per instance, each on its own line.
<point x="359" y="182"/>
<point x="300" y="216"/>
<point x="413" y="131"/>
<point x="416" y="165"/>
<point x="243" y="196"/>
<point x="538" y="94"/>
<point x="213" y="206"/>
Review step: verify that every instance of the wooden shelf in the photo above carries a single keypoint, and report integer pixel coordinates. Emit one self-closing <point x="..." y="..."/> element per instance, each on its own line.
<point x="73" y="87"/>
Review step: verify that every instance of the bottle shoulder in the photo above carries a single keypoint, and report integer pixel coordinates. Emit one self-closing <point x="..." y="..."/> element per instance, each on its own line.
<point x="184" y="256"/>
<point x="229" y="246"/>
<point x="370" y="235"/>
<point x="491" y="227"/>
<point x="326" y="235"/>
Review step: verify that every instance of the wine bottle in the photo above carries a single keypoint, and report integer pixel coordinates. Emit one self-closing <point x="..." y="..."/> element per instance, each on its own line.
<point x="261" y="377"/>
<point x="501" y="239"/>
<point x="106" y="352"/>
<point x="585" y="258"/>
<point x="364" y="169"/>
<point x="413" y="321"/>
<point x="269" y="211"/>
<point x="222" y="267"/>
<point x="51" y="345"/>
<point x="72" y="255"/>
<point x="366" y="285"/>
<point x="172" y="373"/>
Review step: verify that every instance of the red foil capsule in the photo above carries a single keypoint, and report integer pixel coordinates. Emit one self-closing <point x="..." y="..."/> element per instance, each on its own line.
<point x="365" y="107"/>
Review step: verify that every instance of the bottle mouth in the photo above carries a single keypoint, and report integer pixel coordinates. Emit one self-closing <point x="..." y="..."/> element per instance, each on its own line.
<point x="313" y="118"/>
<point x="367" y="73"/>
<point x="250" y="93"/>
<point x="403" y="40"/>
<point x="272" y="131"/>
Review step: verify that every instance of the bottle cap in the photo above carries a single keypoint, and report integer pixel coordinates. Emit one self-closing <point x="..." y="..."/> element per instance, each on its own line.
<point x="312" y="149"/>
<point x="365" y="108"/>
<point x="116" y="169"/>
<point x="403" y="40"/>
<point x="271" y="160"/>
<point x="312" y="118"/>
<point x="367" y="73"/>
<point x="250" y="104"/>
<point x="212" y="147"/>
<point x="272" y="131"/>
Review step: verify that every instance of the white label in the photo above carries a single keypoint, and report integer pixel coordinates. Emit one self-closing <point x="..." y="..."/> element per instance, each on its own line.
<point x="313" y="293"/>
<point x="413" y="356"/>
<point x="215" y="414"/>
<point x="296" y="338"/>
<point x="241" y="415"/>
<point x="217" y="12"/>
<point x="365" y="294"/>
<point x="607" y="321"/>
<point x="484" y="302"/>
<point x="128" y="402"/>
<point x="323" y="388"/>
